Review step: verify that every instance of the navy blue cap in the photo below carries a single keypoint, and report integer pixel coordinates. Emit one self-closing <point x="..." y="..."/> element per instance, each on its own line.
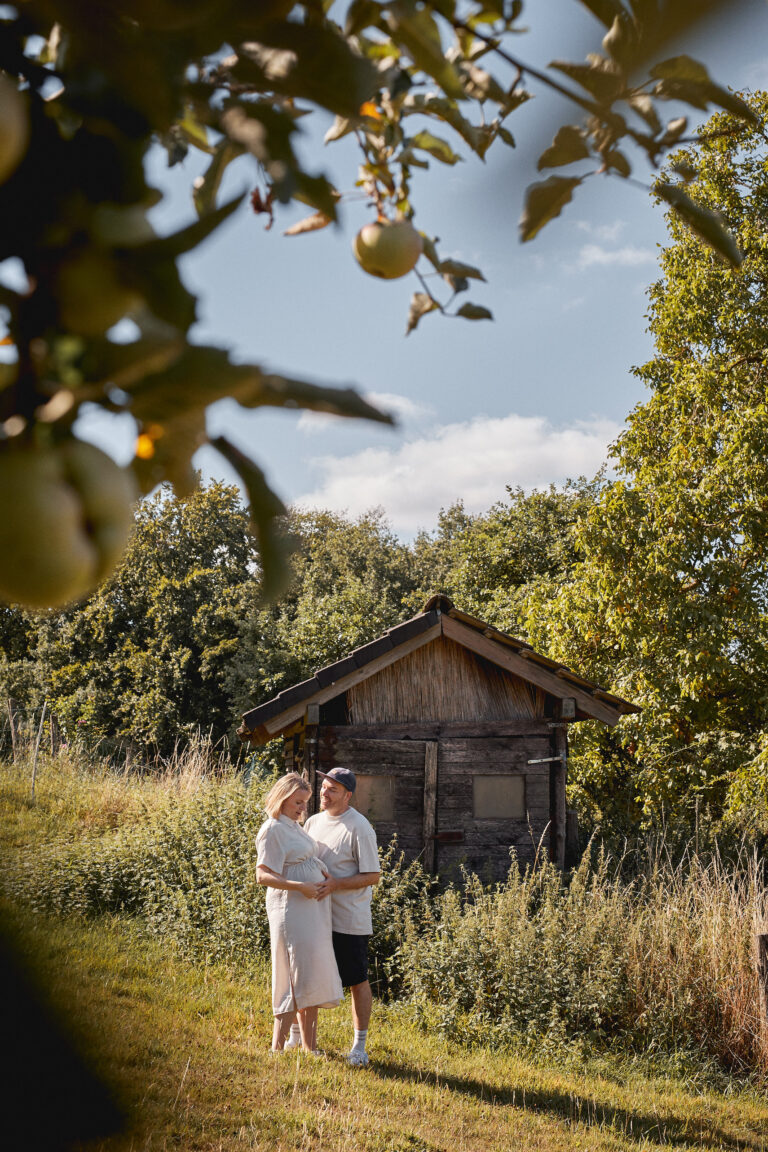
<point x="343" y="776"/>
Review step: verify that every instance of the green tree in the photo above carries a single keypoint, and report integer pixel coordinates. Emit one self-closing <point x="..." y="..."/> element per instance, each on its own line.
<point x="668" y="605"/>
<point x="145" y="661"/>
<point x="490" y="564"/>
<point x="89" y="86"/>
<point x="351" y="580"/>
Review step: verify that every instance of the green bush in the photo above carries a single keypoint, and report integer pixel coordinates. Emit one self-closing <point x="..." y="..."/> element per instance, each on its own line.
<point x="659" y="964"/>
<point x="189" y="871"/>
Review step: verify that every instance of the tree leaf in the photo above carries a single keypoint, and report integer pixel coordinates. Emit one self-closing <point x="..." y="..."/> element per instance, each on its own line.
<point x="708" y="225"/>
<point x="108" y="364"/>
<point x="606" y="11"/>
<point x="617" y="160"/>
<point x="421" y="304"/>
<point x="311" y="223"/>
<point x="474" y="312"/>
<point x="621" y="41"/>
<point x="283" y="392"/>
<point x="204" y="192"/>
<point x="544" y="201"/>
<point x="435" y="146"/>
<point x="267" y="513"/>
<point x="429" y="104"/>
<point x="683" y="68"/>
<point x="361" y="14"/>
<point x="479" y="84"/>
<point x="430" y="251"/>
<point x="568" y="146"/>
<point x="175" y="245"/>
<point x="341" y="126"/>
<point x="643" y="105"/>
<point x="417" y="32"/>
<point x="457" y="268"/>
<point x="600" y="77"/>
<point x="309" y="61"/>
<point x="204" y="374"/>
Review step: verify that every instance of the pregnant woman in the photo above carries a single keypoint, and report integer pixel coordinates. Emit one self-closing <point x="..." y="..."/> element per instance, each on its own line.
<point x="304" y="972"/>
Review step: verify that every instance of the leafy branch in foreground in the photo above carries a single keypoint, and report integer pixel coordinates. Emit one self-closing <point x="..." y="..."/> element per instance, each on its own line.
<point x="88" y="88"/>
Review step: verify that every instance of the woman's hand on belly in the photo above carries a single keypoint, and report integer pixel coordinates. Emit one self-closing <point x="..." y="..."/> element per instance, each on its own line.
<point x="309" y="890"/>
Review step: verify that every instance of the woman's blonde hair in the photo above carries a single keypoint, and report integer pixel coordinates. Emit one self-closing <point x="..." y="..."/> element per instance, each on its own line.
<point x="279" y="792"/>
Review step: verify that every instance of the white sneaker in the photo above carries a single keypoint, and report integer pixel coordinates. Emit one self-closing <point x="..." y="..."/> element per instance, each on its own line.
<point x="293" y="1041"/>
<point x="358" y="1059"/>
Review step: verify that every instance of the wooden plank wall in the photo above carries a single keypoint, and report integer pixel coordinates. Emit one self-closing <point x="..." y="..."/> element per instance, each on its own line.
<point x="443" y="681"/>
<point x="403" y="759"/>
<point x="485" y="844"/>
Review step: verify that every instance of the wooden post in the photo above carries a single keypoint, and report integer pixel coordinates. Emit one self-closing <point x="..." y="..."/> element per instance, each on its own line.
<point x="12" y="722"/>
<point x="37" y="747"/>
<point x="311" y="725"/>
<point x="761" y="964"/>
<point x="572" y="852"/>
<point x="430" y="805"/>
<point x="557" y="777"/>
<point x="53" y="720"/>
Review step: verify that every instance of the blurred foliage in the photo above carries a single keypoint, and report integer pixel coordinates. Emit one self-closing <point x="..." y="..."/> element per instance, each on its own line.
<point x="90" y="86"/>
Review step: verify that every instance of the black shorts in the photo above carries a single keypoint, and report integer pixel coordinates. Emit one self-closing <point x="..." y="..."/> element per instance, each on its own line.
<point x="351" y="957"/>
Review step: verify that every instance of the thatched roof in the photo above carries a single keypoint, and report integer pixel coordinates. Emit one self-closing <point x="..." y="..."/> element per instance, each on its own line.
<point x="438" y="618"/>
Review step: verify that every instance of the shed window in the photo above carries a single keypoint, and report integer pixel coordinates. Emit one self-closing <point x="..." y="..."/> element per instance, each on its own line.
<point x="498" y="797"/>
<point x="375" y="797"/>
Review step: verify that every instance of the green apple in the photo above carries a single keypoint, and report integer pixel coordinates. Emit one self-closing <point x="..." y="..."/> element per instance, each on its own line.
<point x="14" y="127"/>
<point x="65" y="516"/>
<point x="387" y="248"/>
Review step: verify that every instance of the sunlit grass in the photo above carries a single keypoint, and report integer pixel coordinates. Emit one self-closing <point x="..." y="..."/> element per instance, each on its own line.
<point x="484" y="1052"/>
<point x="186" y="1049"/>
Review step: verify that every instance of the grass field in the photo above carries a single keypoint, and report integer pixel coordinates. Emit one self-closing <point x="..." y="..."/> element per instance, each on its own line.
<point x="160" y="871"/>
<point x="185" y="1050"/>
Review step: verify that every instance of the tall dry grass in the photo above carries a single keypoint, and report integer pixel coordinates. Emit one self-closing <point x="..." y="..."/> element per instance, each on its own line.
<point x="650" y="956"/>
<point x="659" y="965"/>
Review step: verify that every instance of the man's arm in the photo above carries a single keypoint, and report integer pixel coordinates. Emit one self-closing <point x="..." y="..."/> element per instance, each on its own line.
<point x="347" y="883"/>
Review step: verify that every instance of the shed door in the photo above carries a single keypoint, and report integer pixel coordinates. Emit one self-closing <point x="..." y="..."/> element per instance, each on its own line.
<point x="489" y="800"/>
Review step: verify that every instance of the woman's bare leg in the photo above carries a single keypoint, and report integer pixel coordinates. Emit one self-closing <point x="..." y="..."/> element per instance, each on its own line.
<point x="281" y="1029"/>
<point x="308" y="1028"/>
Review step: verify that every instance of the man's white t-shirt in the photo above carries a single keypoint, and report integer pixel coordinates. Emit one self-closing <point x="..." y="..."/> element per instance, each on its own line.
<point x="346" y="846"/>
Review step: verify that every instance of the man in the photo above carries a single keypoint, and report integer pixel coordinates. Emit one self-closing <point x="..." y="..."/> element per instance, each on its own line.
<point x="347" y="848"/>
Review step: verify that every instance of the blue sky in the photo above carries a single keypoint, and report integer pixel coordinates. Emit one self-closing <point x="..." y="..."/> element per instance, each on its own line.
<point x="532" y="398"/>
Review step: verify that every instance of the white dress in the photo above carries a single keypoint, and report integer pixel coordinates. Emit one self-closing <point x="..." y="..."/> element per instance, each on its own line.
<point x="304" y="972"/>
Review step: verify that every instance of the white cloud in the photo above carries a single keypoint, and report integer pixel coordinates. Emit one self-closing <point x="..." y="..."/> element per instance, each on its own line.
<point x="627" y="257"/>
<point x="405" y="411"/>
<point x="609" y="233"/>
<point x="471" y="461"/>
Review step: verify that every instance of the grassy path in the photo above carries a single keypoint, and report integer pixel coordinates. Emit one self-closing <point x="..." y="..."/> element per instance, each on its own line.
<point x="186" y="1050"/>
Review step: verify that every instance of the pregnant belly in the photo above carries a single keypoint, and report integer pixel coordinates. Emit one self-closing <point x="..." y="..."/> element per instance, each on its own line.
<point x="305" y="870"/>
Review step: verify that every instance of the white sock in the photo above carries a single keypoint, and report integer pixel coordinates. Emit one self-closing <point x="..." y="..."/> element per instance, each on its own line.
<point x="294" y="1037"/>
<point x="361" y="1036"/>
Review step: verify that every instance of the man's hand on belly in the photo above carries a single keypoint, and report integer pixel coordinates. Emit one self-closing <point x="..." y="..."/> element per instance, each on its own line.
<point x="325" y="887"/>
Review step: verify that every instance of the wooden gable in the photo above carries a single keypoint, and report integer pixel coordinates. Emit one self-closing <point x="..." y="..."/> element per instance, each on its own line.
<point x="441" y="666"/>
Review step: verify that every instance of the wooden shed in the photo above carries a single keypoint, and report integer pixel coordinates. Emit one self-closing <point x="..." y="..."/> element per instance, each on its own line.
<point x="457" y="733"/>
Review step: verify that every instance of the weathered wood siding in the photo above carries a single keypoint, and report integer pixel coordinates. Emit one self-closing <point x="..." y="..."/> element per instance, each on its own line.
<point x="484" y="845"/>
<point x="403" y="759"/>
<point x="443" y="681"/>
